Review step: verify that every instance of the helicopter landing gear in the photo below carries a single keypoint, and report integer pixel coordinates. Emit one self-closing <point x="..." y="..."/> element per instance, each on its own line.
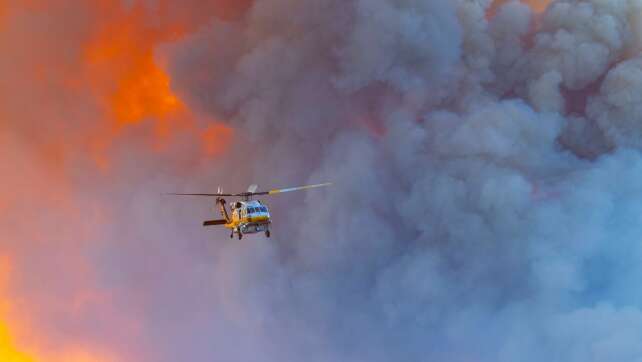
<point x="232" y="235"/>
<point x="267" y="233"/>
<point x="240" y="235"/>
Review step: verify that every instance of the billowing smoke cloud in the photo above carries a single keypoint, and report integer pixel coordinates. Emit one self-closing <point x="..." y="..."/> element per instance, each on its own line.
<point x="486" y="205"/>
<point x="487" y="209"/>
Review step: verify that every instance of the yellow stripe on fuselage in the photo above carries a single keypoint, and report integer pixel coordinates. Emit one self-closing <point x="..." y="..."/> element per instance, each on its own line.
<point x="257" y="219"/>
<point x="248" y="220"/>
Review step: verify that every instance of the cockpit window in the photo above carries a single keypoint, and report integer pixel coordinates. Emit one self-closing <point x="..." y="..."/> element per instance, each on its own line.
<point x="263" y="208"/>
<point x="251" y="210"/>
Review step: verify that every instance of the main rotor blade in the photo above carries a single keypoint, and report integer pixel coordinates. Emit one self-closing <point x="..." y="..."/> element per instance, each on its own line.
<point x="206" y="195"/>
<point x="249" y="194"/>
<point x="278" y="191"/>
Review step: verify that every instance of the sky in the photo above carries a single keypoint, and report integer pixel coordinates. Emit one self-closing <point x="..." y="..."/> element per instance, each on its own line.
<point x="485" y="160"/>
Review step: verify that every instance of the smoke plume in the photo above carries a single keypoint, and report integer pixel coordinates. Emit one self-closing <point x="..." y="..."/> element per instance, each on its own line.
<point x="485" y="157"/>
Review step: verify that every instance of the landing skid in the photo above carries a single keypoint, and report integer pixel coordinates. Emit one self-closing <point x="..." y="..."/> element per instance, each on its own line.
<point x="240" y="234"/>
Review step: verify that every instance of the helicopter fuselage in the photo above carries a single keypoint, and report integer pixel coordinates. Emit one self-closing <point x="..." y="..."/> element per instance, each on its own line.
<point x="249" y="217"/>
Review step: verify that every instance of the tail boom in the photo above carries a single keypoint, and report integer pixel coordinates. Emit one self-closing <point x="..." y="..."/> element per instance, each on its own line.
<point x="214" y="222"/>
<point x="221" y="205"/>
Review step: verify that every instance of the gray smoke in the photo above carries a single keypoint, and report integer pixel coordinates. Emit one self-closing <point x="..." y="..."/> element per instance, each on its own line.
<point x="487" y="197"/>
<point x="460" y="226"/>
<point x="486" y="202"/>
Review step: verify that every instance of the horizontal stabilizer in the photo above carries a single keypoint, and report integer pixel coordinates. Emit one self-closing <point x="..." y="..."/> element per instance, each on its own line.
<point x="214" y="222"/>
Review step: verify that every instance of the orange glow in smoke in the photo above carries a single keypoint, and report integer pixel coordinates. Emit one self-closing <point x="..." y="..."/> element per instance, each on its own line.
<point x="10" y="351"/>
<point x="538" y="6"/>
<point x="216" y="138"/>
<point x="126" y="88"/>
<point x="144" y="94"/>
<point x="3" y="10"/>
<point x="125" y="74"/>
<point x="121" y="62"/>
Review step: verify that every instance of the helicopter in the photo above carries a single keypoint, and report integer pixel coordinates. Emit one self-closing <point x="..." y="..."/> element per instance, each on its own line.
<point x="247" y="216"/>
